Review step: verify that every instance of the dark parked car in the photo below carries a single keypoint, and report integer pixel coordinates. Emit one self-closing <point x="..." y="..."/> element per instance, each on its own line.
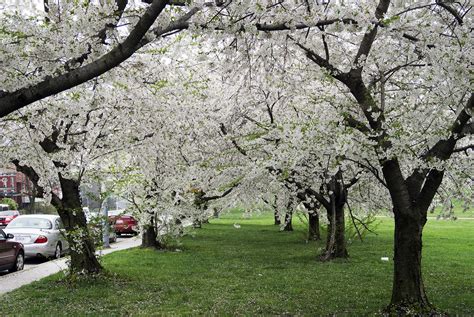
<point x="6" y="216"/>
<point x="12" y="254"/>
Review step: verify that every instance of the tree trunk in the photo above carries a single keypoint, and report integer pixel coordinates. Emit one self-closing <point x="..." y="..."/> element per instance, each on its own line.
<point x="277" y="218"/>
<point x="288" y="221"/>
<point x="149" y="238"/>
<point x="313" y="221"/>
<point x="336" y="239"/>
<point x="313" y="226"/>
<point x="408" y="291"/>
<point x="82" y="250"/>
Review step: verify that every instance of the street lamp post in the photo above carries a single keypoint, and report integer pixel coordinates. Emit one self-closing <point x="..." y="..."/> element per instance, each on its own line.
<point x="105" y="213"/>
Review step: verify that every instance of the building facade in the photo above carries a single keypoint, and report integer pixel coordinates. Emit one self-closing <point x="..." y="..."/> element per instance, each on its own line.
<point x="15" y="185"/>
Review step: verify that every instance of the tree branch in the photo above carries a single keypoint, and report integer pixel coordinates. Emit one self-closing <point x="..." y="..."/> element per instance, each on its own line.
<point x="451" y="10"/>
<point x="442" y="150"/>
<point x="369" y="37"/>
<point x="234" y="143"/>
<point x="227" y="192"/>
<point x="12" y="101"/>
<point x="32" y="176"/>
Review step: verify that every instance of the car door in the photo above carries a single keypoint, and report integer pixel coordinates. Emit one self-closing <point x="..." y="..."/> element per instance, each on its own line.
<point x="3" y="248"/>
<point x="7" y="251"/>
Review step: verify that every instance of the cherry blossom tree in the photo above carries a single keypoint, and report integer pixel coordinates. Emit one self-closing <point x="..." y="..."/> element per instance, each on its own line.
<point x="58" y="146"/>
<point x="396" y="78"/>
<point x="405" y="73"/>
<point x="71" y="42"/>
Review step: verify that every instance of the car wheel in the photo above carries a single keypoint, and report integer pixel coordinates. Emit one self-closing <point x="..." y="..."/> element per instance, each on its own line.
<point x="57" y="251"/>
<point x="19" y="263"/>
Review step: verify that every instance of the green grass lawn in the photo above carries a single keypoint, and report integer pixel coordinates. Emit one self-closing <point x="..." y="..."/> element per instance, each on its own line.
<point x="256" y="269"/>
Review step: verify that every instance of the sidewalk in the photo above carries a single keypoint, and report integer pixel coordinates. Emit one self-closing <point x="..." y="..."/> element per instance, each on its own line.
<point x="15" y="280"/>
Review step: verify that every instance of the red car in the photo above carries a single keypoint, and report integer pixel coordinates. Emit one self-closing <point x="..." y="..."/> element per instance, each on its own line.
<point x="7" y="216"/>
<point x="122" y="222"/>
<point x="126" y="224"/>
<point x="12" y="254"/>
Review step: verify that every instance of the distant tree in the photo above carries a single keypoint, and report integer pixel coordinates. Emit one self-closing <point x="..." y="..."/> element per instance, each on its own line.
<point x="12" y="204"/>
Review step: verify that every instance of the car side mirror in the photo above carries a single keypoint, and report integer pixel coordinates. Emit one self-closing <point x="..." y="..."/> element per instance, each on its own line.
<point x="10" y="236"/>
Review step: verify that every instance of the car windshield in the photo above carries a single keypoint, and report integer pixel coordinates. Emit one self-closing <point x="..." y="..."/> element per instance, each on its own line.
<point x="115" y="212"/>
<point x="8" y="213"/>
<point x="31" y="222"/>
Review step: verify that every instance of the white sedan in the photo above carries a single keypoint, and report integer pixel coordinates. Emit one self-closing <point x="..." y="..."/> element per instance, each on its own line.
<point x="41" y="235"/>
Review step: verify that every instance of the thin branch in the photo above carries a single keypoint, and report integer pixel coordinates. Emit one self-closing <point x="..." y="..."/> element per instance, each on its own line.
<point x="353" y="221"/>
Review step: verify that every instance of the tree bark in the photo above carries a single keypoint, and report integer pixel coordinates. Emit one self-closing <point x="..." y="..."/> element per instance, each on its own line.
<point x="277" y="218"/>
<point x="288" y="221"/>
<point x="336" y="239"/>
<point x="149" y="238"/>
<point x="313" y="227"/>
<point x="408" y="292"/>
<point x="83" y="258"/>
<point x="314" y="233"/>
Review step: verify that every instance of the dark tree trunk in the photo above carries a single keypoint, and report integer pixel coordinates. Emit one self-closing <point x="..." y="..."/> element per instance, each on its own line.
<point x="313" y="226"/>
<point x="149" y="235"/>
<point x="288" y="226"/>
<point x="277" y="218"/>
<point x="83" y="258"/>
<point x="314" y="233"/>
<point x="336" y="239"/>
<point x="149" y="238"/>
<point x="408" y="292"/>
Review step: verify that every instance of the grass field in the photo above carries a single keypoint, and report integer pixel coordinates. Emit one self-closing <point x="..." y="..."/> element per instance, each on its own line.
<point x="256" y="269"/>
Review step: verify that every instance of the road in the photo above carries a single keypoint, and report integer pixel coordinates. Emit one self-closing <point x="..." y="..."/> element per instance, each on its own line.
<point x="34" y="262"/>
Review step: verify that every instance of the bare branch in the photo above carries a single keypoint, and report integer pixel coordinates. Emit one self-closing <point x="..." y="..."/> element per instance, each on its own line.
<point x="369" y="37"/>
<point x="451" y="10"/>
